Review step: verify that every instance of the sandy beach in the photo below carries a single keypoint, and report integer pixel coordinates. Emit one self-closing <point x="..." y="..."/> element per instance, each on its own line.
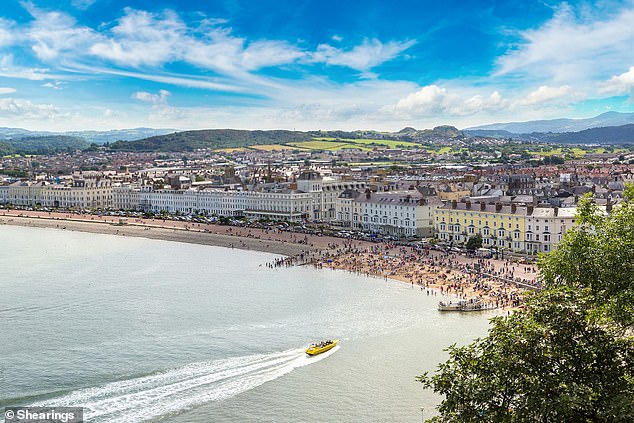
<point x="497" y="283"/>
<point x="283" y="243"/>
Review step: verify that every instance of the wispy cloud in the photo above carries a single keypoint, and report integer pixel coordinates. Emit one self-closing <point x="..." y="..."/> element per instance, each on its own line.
<point x="6" y="32"/>
<point x="573" y="46"/>
<point x="57" y="85"/>
<point x="83" y="4"/>
<point x="364" y="57"/>
<point x="9" y="70"/>
<point x="7" y="90"/>
<point x="56" y="35"/>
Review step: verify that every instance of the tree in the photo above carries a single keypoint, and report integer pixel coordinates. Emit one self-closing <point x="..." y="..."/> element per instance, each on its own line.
<point x="569" y="355"/>
<point x="545" y="364"/>
<point x="474" y="242"/>
<point x="598" y="255"/>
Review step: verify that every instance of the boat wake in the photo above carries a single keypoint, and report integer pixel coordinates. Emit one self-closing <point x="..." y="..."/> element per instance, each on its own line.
<point x="180" y="389"/>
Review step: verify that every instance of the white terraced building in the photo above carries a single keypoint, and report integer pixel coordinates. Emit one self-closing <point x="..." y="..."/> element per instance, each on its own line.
<point x="545" y="227"/>
<point x="277" y="203"/>
<point x="4" y="194"/>
<point x="325" y="191"/>
<point x="80" y="194"/>
<point x="399" y="213"/>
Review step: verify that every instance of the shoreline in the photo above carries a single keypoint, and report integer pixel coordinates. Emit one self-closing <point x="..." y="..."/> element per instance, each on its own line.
<point x="437" y="274"/>
<point x="161" y="233"/>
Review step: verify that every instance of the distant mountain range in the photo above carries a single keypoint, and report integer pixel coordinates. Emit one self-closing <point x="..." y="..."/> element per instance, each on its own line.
<point x="555" y="125"/>
<point x="97" y="137"/>
<point x="607" y="128"/>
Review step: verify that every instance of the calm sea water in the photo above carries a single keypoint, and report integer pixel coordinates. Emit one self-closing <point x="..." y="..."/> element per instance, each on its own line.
<point x="144" y="330"/>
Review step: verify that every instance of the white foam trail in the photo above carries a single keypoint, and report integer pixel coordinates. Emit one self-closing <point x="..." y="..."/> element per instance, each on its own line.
<point x="183" y="388"/>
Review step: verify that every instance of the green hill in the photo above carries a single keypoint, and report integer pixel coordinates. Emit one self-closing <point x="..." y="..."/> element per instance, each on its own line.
<point x="233" y="138"/>
<point x="210" y="138"/>
<point x="623" y="134"/>
<point x="47" y="144"/>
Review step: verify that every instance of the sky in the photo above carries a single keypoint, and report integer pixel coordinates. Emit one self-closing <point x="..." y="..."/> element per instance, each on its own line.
<point x="310" y="65"/>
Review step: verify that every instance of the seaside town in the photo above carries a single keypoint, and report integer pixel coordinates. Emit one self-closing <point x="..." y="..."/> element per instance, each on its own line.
<point x="334" y="211"/>
<point x="454" y="225"/>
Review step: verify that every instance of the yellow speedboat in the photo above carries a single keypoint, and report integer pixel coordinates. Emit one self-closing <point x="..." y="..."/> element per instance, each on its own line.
<point x="321" y="347"/>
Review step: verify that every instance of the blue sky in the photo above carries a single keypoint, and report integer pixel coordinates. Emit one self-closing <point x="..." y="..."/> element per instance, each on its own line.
<point x="107" y="64"/>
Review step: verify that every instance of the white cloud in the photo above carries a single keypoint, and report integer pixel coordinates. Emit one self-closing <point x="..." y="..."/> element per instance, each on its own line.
<point x="619" y="84"/>
<point x="143" y="38"/>
<point x="155" y="99"/>
<point x="6" y="32"/>
<point x="261" y="54"/>
<point x="83" y="4"/>
<point x="362" y="57"/>
<point x="6" y="90"/>
<point x="434" y="100"/>
<point x="52" y="34"/>
<point x="546" y="94"/>
<point x="9" y="70"/>
<point x="572" y="47"/>
<point x="427" y="100"/>
<point x="480" y="104"/>
<point x="26" y="110"/>
<point x="57" y="85"/>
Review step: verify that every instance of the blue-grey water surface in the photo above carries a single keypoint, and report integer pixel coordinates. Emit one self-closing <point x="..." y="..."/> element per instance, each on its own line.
<point x="145" y="330"/>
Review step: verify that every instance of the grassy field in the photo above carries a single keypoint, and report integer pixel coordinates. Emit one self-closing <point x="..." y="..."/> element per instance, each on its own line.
<point x="231" y="150"/>
<point x="574" y="151"/>
<point x="328" y="145"/>
<point x="271" y="147"/>
<point x="373" y="143"/>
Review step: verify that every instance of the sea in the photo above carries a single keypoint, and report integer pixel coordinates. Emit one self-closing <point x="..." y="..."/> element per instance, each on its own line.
<point x="141" y="330"/>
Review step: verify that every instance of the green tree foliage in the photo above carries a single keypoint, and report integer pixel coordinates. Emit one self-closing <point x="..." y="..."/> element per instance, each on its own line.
<point x="49" y="144"/>
<point x="553" y="160"/>
<point x="474" y="242"/>
<point x="598" y="255"/>
<point x="569" y="355"/>
<point x="6" y="149"/>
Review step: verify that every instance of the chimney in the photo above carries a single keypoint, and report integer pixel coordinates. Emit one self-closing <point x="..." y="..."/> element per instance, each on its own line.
<point x="454" y="204"/>
<point x="483" y="206"/>
<point x="556" y="211"/>
<point x="513" y="208"/>
<point x="498" y="207"/>
<point x="529" y="210"/>
<point x="608" y="205"/>
<point x="468" y="205"/>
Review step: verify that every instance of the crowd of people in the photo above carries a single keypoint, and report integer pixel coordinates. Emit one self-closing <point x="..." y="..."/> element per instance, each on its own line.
<point x="496" y="283"/>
